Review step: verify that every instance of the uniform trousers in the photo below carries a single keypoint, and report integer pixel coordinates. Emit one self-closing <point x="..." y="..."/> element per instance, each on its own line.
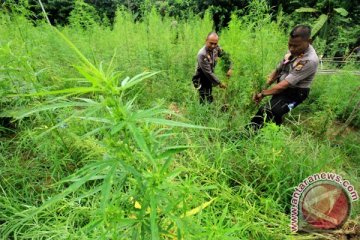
<point x="278" y="106"/>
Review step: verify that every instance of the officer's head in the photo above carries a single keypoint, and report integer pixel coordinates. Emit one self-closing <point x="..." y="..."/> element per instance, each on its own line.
<point x="300" y="38"/>
<point x="212" y="40"/>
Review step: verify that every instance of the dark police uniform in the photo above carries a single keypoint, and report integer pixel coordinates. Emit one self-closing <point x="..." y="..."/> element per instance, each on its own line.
<point x="204" y="78"/>
<point x="299" y="72"/>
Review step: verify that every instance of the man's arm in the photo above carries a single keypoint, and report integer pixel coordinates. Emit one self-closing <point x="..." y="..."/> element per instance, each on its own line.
<point x="301" y="71"/>
<point x="276" y="89"/>
<point x="275" y="74"/>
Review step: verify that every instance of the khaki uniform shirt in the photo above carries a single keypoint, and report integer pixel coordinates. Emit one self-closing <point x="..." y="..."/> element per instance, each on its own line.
<point x="206" y="62"/>
<point x="299" y="71"/>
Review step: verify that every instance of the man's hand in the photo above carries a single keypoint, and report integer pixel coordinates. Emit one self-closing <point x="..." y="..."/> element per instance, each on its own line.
<point x="258" y="97"/>
<point x="223" y="86"/>
<point x="229" y="73"/>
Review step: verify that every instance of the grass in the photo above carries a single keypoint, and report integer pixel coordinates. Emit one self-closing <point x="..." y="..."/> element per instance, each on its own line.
<point x="111" y="142"/>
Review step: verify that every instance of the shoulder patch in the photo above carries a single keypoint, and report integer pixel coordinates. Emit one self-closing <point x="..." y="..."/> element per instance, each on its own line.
<point x="300" y="65"/>
<point x="207" y="58"/>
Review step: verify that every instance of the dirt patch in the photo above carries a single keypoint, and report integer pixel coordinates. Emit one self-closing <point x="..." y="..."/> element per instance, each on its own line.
<point x="173" y="107"/>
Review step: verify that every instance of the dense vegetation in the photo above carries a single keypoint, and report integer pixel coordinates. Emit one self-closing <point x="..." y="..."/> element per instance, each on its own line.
<point x="110" y="142"/>
<point x="337" y="21"/>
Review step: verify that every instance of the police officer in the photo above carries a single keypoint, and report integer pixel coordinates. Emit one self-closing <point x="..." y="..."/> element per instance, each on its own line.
<point x="204" y="78"/>
<point x="293" y="75"/>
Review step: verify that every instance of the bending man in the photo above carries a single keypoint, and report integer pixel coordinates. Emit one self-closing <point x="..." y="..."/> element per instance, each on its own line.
<point x="204" y="78"/>
<point x="293" y="77"/>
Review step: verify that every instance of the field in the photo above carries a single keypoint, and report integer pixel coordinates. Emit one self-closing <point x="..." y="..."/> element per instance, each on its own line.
<point x="109" y="140"/>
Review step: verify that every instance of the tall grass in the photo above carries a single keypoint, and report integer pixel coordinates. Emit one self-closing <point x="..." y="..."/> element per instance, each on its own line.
<point x="109" y="143"/>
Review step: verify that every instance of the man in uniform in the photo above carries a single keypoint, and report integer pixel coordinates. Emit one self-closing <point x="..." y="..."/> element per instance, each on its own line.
<point x="204" y="78"/>
<point x="293" y="75"/>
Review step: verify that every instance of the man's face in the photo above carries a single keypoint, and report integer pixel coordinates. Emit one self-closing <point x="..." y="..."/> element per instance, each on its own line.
<point x="297" y="46"/>
<point x="212" y="42"/>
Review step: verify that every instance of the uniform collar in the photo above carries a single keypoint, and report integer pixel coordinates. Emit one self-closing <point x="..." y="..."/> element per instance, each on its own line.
<point x="288" y="58"/>
<point x="208" y="50"/>
<point x="305" y="53"/>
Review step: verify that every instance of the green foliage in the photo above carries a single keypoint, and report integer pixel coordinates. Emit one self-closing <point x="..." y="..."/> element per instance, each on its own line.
<point x="336" y="24"/>
<point x="255" y="44"/>
<point x="341" y="99"/>
<point x="319" y="24"/>
<point x="335" y="21"/>
<point x="83" y="15"/>
<point x="138" y="143"/>
<point x="306" y="10"/>
<point x="112" y="143"/>
<point x="341" y="11"/>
